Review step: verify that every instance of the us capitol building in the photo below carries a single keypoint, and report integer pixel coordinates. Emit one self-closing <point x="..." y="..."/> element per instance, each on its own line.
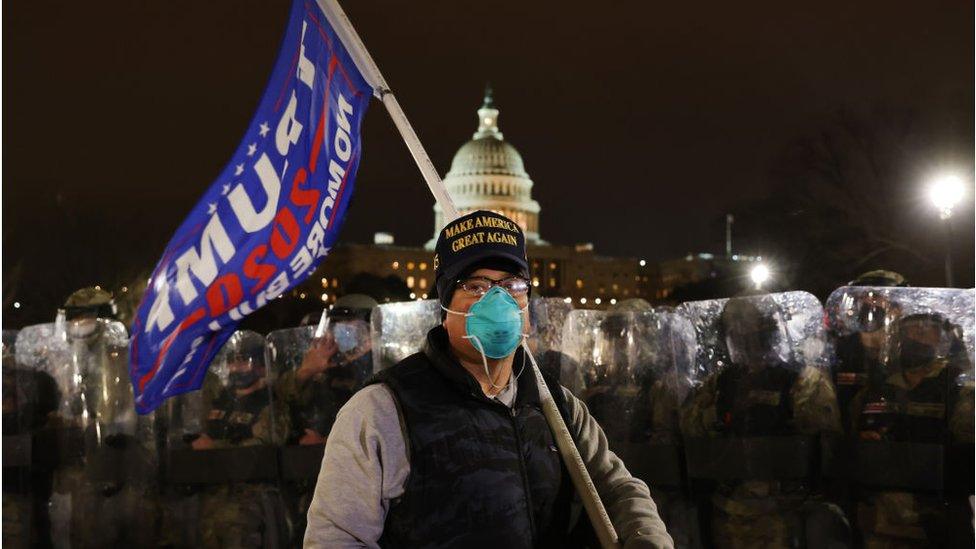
<point x="488" y="173"/>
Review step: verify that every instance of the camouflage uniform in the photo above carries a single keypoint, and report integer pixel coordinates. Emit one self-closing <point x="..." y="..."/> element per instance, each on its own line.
<point x="314" y="402"/>
<point x="767" y="398"/>
<point x="763" y="513"/>
<point x="240" y="514"/>
<point x="924" y="406"/>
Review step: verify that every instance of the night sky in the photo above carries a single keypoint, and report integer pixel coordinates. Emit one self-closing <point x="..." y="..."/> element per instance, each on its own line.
<point x="640" y="123"/>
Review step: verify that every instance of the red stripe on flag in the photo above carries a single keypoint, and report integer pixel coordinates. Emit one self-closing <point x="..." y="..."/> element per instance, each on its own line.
<point x="189" y="321"/>
<point x="320" y="130"/>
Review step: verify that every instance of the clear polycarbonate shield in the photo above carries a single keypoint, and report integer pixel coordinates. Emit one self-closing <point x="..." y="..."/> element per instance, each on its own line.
<point x="547" y="317"/>
<point x="762" y="391"/>
<point x="634" y="372"/>
<point x="399" y="330"/>
<point x="315" y="377"/>
<point x="232" y="407"/>
<point x="22" y="413"/>
<point x="866" y="330"/>
<point x="903" y="361"/>
<point x="102" y="454"/>
<point x="88" y="361"/>
<point x="622" y="361"/>
<point x="225" y="432"/>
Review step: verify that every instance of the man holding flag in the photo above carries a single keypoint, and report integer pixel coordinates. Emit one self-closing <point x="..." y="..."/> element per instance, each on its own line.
<point x="450" y="448"/>
<point x="269" y="220"/>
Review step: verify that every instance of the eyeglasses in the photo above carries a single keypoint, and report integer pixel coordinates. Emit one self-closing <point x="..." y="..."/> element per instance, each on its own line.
<point x="479" y="285"/>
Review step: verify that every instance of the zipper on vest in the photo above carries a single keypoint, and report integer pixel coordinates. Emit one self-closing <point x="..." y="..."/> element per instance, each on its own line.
<point x="513" y="413"/>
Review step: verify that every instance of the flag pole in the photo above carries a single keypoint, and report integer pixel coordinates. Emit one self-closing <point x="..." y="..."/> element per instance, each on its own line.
<point x="364" y="62"/>
<point x="595" y="509"/>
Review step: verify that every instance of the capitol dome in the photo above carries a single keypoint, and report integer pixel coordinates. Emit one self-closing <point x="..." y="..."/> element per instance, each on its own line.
<point x="487" y="173"/>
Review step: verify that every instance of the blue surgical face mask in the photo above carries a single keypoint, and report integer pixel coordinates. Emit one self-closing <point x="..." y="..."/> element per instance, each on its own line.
<point x="345" y="337"/>
<point x="494" y="324"/>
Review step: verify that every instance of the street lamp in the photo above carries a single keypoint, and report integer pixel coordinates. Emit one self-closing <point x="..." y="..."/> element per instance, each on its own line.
<point x="759" y="275"/>
<point x="946" y="192"/>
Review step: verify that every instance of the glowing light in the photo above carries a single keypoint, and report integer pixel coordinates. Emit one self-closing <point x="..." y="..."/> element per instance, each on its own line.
<point x="597" y="301"/>
<point x="302" y="295"/>
<point x="643" y="263"/>
<point x="945" y="193"/>
<point x="613" y="301"/>
<point x="759" y="275"/>
<point x="16" y="304"/>
<point x="423" y="296"/>
<point x="413" y="295"/>
<point x="325" y="297"/>
<point x="583" y="300"/>
<point x="568" y="300"/>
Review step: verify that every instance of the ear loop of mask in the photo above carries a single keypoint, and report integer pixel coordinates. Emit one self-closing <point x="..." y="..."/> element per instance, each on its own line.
<point x="484" y="358"/>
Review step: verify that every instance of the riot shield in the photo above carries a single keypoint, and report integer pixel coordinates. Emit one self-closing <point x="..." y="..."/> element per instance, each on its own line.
<point x="399" y="330"/>
<point x="762" y="391"/>
<point x="22" y="412"/>
<point x="903" y="361"/>
<point x="634" y="369"/>
<point x="225" y="432"/>
<point x="222" y="458"/>
<point x="760" y="401"/>
<point x="547" y="317"/>
<point x="101" y="453"/>
<point x="314" y="379"/>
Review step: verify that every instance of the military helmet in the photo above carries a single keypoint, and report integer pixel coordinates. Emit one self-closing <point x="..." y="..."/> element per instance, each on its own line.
<point x="353" y="307"/>
<point x="90" y="302"/>
<point x="247" y="349"/>
<point x="879" y="277"/>
<point x="908" y="353"/>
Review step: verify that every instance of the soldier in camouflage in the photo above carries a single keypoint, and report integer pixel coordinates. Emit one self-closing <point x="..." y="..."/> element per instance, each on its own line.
<point x="758" y="395"/>
<point x="240" y="514"/>
<point x="922" y="399"/>
<point x="334" y="367"/>
<point x="92" y="504"/>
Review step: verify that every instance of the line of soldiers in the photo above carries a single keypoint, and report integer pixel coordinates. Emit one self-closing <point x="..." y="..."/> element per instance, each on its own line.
<point x="764" y="420"/>
<point x="229" y="465"/>
<point x="728" y="409"/>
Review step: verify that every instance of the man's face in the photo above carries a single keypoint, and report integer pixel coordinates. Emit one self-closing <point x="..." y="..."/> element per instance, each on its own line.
<point x="461" y="302"/>
<point x="242" y="371"/>
<point x="920" y="344"/>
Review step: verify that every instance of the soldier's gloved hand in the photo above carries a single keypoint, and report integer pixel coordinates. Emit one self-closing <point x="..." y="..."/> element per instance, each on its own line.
<point x="202" y="442"/>
<point x="311" y="438"/>
<point x="318" y="358"/>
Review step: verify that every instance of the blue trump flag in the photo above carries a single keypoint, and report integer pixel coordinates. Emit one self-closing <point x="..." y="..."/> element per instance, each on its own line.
<point x="267" y="221"/>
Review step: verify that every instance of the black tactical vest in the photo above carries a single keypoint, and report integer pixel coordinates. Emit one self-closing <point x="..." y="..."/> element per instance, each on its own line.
<point x="756" y="403"/>
<point x="232" y="418"/>
<point x="481" y="474"/>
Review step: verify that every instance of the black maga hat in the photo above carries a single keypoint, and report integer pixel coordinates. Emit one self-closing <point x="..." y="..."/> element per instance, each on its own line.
<point x="477" y="239"/>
